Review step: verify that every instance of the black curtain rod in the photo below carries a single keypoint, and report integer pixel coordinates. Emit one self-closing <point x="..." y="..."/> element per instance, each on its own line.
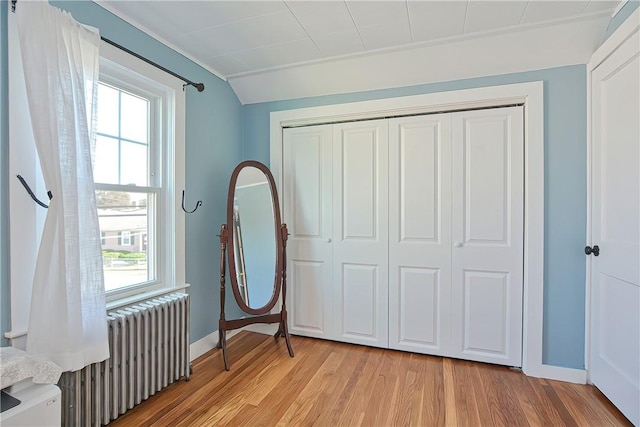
<point x="198" y="86"/>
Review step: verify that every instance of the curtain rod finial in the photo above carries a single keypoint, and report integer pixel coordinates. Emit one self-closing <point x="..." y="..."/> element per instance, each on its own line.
<point x="199" y="86"/>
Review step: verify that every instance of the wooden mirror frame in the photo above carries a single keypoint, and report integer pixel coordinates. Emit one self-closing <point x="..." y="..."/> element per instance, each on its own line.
<point x="233" y="276"/>
<point x="262" y="314"/>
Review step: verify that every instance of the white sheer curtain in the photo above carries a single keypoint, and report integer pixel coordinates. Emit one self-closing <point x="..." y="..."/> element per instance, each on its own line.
<point x="60" y="57"/>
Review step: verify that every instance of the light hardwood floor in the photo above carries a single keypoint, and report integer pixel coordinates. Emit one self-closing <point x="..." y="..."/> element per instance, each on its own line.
<point x="336" y="384"/>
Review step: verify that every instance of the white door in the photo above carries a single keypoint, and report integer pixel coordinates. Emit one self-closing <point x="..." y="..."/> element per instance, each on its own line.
<point x="427" y="258"/>
<point x="307" y="210"/>
<point x="360" y="230"/>
<point x="420" y="233"/>
<point x="615" y="293"/>
<point x="487" y="233"/>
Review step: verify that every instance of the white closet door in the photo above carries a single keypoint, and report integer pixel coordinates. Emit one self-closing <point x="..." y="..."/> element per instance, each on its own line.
<point x="307" y="209"/>
<point x="487" y="233"/>
<point x="615" y="274"/>
<point x="420" y="233"/>
<point x="360" y="215"/>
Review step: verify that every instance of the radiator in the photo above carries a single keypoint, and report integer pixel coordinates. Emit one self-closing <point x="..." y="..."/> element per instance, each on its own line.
<point x="149" y="348"/>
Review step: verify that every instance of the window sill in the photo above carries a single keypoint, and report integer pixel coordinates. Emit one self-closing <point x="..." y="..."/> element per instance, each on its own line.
<point x="112" y="305"/>
<point x="12" y="335"/>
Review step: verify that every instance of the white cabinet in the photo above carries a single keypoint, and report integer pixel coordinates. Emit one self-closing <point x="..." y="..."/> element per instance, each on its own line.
<point x="40" y="405"/>
<point x="407" y="233"/>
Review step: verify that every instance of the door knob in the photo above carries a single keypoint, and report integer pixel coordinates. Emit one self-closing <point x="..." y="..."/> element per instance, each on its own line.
<point x="595" y="250"/>
<point x="328" y="239"/>
<point x="457" y="244"/>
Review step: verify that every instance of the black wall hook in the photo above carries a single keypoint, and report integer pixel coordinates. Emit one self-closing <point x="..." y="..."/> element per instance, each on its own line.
<point x="33" y="196"/>
<point x="198" y="204"/>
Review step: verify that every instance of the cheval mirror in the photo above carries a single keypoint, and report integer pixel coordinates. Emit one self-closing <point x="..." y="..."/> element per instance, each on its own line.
<point x="256" y="242"/>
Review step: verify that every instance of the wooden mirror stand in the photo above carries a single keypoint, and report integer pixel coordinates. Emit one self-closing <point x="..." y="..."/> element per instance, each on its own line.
<point x="261" y="314"/>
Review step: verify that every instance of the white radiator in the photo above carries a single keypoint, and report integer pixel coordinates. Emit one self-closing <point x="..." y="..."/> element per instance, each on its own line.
<point x="149" y="347"/>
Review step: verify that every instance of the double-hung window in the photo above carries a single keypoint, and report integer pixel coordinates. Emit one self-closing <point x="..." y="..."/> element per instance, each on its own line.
<point x="138" y="172"/>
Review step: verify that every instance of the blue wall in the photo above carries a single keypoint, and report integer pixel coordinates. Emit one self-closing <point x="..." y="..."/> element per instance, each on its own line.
<point x="213" y="148"/>
<point x="565" y="121"/>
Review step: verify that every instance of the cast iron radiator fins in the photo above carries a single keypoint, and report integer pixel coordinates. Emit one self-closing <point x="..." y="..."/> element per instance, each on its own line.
<point x="149" y="347"/>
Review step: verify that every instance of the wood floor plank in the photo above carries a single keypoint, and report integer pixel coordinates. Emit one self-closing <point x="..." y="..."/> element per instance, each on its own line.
<point x="467" y="412"/>
<point x="450" y="411"/>
<point x="322" y="382"/>
<point x="234" y="386"/>
<point x="377" y="412"/>
<point x="271" y="410"/>
<point x="504" y="407"/>
<point x="536" y="393"/>
<point x="352" y="402"/>
<point x="575" y="398"/>
<point x="334" y="398"/>
<point x="607" y="406"/>
<point x="482" y="402"/>
<point x="432" y="406"/>
<point x="567" y="418"/>
<point x="528" y="401"/>
<point x="337" y="384"/>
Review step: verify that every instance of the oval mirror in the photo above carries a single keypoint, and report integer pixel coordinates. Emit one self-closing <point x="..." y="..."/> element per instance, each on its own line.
<point x="253" y="220"/>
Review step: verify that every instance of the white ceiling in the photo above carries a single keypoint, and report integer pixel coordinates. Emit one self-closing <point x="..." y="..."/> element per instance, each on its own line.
<point x="242" y="38"/>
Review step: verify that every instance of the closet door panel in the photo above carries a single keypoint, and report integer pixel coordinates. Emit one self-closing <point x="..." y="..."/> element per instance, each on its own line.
<point x="307" y="201"/>
<point x="360" y="191"/>
<point x="485" y="300"/>
<point x="359" y="299"/>
<point x="420" y="233"/>
<point x="487" y="232"/>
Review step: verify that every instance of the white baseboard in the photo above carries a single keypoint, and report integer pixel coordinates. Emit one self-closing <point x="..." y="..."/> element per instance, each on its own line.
<point x="203" y="345"/>
<point x="210" y="341"/>
<point x="550" y="372"/>
<point x="206" y="343"/>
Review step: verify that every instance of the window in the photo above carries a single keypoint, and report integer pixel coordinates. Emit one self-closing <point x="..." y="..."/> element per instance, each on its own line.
<point x="124" y="239"/>
<point x="127" y="185"/>
<point x="138" y="168"/>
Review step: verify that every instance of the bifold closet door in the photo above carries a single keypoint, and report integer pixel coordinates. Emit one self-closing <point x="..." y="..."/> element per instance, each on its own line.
<point x="408" y="233"/>
<point x="307" y="197"/>
<point x="360" y="226"/>
<point x="420" y="233"/>
<point x="487" y="233"/>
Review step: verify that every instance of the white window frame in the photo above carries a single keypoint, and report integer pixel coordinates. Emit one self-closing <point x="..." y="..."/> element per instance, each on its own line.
<point x="126" y="71"/>
<point x="125" y="238"/>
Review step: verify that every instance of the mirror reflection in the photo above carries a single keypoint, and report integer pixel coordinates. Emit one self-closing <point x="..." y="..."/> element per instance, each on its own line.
<point x="254" y="242"/>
